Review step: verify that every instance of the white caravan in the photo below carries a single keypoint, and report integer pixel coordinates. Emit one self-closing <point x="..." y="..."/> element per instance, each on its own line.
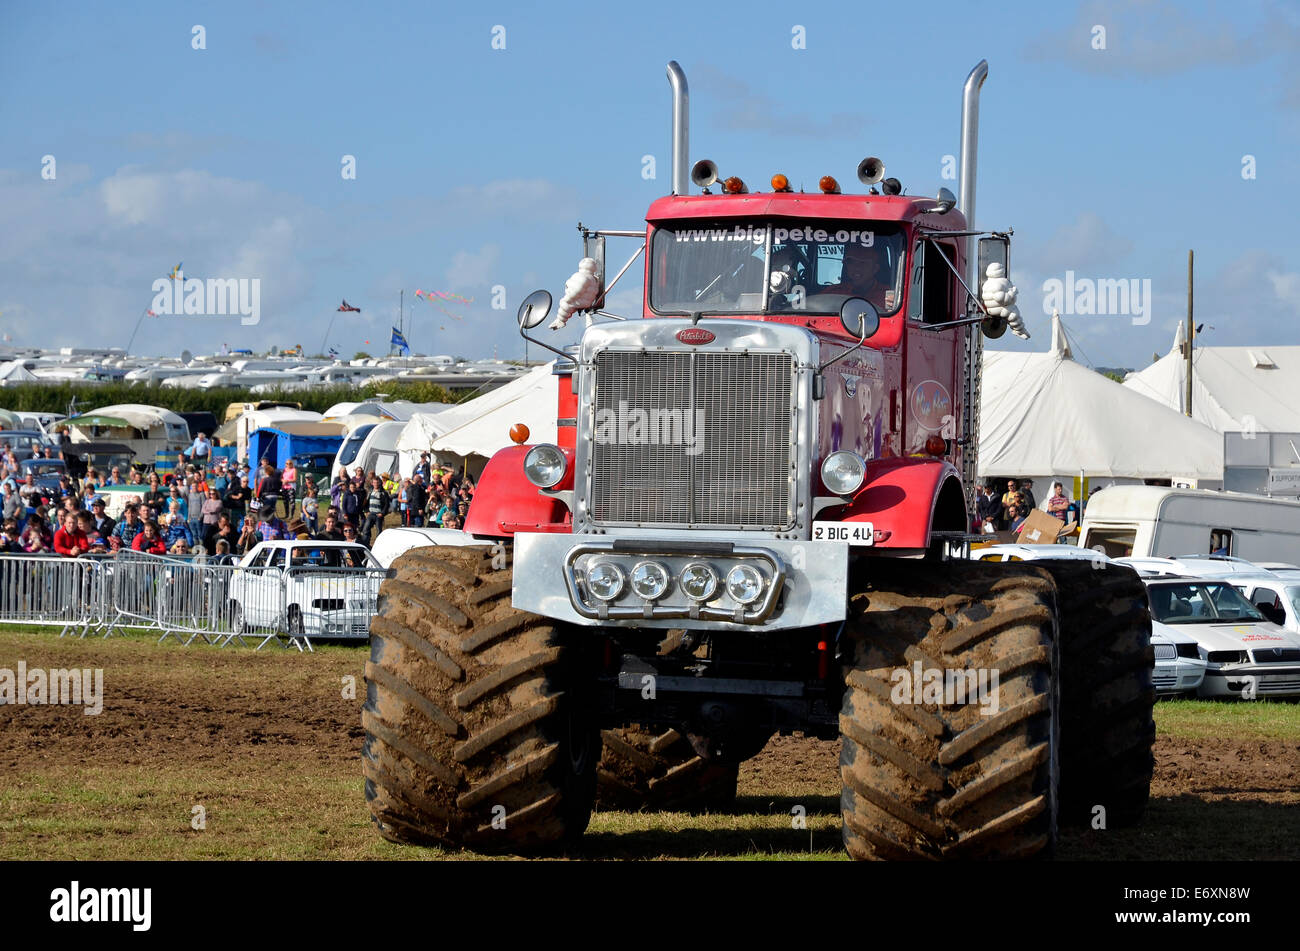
<point x="1150" y="521"/>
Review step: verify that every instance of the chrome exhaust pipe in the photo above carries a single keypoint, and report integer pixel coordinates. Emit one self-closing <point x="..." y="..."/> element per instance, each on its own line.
<point x="970" y="141"/>
<point x="681" y="129"/>
<point x="974" y="356"/>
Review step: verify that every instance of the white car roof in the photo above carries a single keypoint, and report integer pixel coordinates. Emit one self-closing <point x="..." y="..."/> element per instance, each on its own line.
<point x="1191" y="566"/>
<point x="1032" y="552"/>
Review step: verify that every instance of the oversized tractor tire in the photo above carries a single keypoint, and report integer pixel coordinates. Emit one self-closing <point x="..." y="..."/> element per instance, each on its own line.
<point x="659" y="770"/>
<point x="925" y="779"/>
<point x="478" y="733"/>
<point x="1107" y="697"/>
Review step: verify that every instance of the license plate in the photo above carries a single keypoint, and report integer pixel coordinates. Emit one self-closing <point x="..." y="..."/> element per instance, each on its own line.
<point x="851" y="533"/>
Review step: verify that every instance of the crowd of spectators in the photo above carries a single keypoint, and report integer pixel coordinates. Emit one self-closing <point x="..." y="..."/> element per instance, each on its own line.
<point x="219" y="508"/>
<point x="1007" y="510"/>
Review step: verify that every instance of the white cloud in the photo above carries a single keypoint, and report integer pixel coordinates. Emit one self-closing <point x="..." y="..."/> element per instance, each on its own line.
<point x="475" y="269"/>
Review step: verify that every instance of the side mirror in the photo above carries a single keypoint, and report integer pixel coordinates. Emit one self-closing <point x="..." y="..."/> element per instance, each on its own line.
<point x="593" y="246"/>
<point x="946" y="201"/>
<point x="535" y="308"/>
<point x="995" y="249"/>
<point x="859" y="317"/>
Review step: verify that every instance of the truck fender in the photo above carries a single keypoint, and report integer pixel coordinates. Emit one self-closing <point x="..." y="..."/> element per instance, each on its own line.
<point x="505" y="501"/>
<point x="908" y="498"/>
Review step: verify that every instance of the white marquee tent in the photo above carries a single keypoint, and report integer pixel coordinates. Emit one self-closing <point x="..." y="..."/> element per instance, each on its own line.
<point x="1233" y="388"/>
<point x="482" y="425"/>
<point x="1044" y="416"/>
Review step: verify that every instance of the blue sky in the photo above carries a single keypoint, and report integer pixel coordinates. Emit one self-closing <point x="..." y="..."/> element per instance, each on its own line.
<point x="474" y="164"/>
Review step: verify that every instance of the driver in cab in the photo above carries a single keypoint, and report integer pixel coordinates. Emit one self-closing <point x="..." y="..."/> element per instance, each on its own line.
<point x="866" y="273"/>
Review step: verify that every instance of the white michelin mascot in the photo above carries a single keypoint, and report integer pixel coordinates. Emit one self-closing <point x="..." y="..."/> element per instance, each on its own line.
<point x="999" y="296"/>
<point x="580" y="292"/>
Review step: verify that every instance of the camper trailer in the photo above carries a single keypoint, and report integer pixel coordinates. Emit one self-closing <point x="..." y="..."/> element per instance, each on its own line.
<point x="372" y="448"/>
<point x="146" y="430"/>
<point x="1151" y="521"/>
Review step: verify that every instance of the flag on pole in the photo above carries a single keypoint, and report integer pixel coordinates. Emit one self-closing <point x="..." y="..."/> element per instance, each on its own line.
<point x="333" y="352"/>
<point x="345" y="306"/>
<point x="399" y="341"/>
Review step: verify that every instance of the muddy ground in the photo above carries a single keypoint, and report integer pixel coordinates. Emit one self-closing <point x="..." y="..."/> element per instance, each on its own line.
<point x="268" y="744"/>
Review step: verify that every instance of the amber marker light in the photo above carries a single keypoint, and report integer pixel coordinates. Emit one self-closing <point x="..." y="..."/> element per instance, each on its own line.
<point x="519" y="434"/>
<point x="829" y="185"/>
<point x="733" y="186"/>
<point x="780" y="183"/>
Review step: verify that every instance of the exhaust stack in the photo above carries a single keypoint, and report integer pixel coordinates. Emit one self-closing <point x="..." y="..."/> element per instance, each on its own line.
<point x="970" y="141"/>
<point x="681" y="129"/>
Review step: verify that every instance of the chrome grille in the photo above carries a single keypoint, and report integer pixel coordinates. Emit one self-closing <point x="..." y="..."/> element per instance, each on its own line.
<point x="1166" y="652"/>
<point x="715" y="442"/>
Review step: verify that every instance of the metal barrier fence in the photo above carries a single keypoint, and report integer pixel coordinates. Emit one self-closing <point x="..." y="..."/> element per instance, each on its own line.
<point x="189" y="599"/>
<point x="51" y="591"/>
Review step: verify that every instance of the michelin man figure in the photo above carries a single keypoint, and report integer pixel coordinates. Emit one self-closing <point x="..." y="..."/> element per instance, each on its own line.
<point x="580" y="292"/>
<point x="999" y="296"/>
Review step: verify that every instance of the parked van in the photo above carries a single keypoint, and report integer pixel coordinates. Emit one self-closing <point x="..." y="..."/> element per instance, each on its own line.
<point x="371" y="447"/>
<point x="1152" y="521"/>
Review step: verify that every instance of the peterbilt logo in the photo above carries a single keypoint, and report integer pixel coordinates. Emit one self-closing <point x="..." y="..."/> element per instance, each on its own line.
<point x="695" y="336"/>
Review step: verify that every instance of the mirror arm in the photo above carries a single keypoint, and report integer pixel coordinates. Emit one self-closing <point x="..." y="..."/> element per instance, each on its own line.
<point x="853" y="349"/>
<point x="954" y="323"/>
<point x="542" y="343"/>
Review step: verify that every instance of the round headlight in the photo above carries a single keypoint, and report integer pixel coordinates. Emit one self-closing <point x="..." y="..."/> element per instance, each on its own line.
<point x="650" y="580"/>
<point x="699" y="581"/>
<point x="843" y="472"/>
<point x="744" y="584"/>
<point x="605" y="580"/>
<point x="545" y="465"/>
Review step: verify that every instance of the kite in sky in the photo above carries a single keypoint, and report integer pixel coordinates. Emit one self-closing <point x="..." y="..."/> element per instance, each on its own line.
<point x="434" y="296"/>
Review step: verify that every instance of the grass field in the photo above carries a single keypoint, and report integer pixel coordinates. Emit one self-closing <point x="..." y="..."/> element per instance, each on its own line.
<point x="268" y="745"/>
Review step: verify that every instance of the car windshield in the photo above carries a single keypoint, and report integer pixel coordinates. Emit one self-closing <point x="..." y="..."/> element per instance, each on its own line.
<point x="1293" y="595"/>
<point x="342" y="556"/>
<point x="782" y="266"/>
<point x="1199" y="603"/>
<point x="43" y="468"/>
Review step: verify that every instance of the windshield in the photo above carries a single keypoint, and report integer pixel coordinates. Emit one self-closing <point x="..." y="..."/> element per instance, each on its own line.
<point x="1196" y="603"/>
<point x="351" y="556"/>
<point x="784" y="266"/>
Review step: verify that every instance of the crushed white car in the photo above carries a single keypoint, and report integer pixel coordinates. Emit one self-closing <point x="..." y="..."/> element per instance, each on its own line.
<point x="1246" y="655"/>
<point x="1013" y="552"/>
<point x="314" y="588"/>
<point x="393" y="542"/>
<point x="1180" y="668"/>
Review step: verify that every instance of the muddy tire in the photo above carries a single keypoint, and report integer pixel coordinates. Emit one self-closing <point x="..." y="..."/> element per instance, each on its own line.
<point x="477" y="730"/>
<point x="1107" y="697"/>
<point x="933" y="781"/>
<point x="659" y="770"/>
